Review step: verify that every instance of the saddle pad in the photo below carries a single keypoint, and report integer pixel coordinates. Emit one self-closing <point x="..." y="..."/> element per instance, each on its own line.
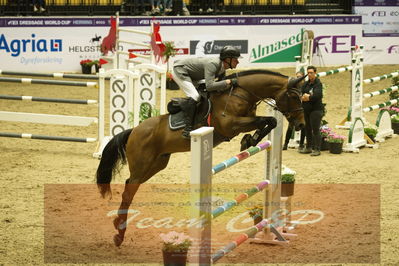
<point x="176" y="121"/>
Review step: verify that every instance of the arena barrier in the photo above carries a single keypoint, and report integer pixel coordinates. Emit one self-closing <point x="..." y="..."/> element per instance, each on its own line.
<point x="201" y="182"/>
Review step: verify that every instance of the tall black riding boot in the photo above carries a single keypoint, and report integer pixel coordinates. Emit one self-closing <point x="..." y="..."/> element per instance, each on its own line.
<point x="188" y="107"/>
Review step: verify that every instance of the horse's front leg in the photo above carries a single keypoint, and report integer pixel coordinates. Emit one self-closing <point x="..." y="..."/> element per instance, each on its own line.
<point x="262" y="124"/>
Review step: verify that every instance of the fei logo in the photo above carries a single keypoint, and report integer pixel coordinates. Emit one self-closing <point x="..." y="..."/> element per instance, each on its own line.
<point x="334" y="43"/>
<point x="393" y="49"/>
<point x="18" y="46"/>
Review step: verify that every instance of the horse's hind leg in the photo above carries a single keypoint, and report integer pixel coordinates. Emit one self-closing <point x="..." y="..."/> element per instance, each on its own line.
<point x="131" y="187"/>
<point x="120" y="221"/>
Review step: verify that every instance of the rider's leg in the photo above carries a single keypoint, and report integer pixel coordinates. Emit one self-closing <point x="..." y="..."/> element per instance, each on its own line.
<point x="188" y="106"/>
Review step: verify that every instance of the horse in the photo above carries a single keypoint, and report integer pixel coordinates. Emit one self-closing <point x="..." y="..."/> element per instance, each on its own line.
<point x="148" y="147"/>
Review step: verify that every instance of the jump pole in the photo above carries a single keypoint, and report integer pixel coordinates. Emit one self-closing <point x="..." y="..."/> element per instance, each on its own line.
<point x="49" y="82"/>
<point x="44" y="99"/>
<point x="43" y="137"/>
<point x="49" y="75"/>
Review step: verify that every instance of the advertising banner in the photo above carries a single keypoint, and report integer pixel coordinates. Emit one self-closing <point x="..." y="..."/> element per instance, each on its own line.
<point x="59" y="44"/>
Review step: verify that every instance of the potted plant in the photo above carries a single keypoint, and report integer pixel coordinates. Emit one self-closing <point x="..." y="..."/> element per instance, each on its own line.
<point x="170" y="51"/>
<point x="256" y="213"/>
<point x="86" y="66"/>
<point x="97" y="65"/>
<point x="324" y="132"/>
<point x="395" y="123"/>
<point x="371" y="132"/>
<point x="175" y="248"/>
<point x="335" y="142"/>
<point x="287" y="184"/>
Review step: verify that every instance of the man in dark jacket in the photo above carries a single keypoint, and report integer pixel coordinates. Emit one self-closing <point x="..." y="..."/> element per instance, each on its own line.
<point x="313" y="107"/>
<point x="191" y="70"/>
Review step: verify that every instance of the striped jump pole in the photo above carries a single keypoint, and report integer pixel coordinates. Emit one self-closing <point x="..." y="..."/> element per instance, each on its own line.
<point x="240" y="198"/>
<point x="381" y="105"/>
<point x="49" y="82"/>
<point x="43" y="99"/>
<point x="43" y="137"/>
<point x="49" y="75"/>
<point x="375" y="79"/>
<point x="379" y="92"/>
<point x="335" y="71"/>
<point x="239" y="240"/>
<point x="241" y="156"/>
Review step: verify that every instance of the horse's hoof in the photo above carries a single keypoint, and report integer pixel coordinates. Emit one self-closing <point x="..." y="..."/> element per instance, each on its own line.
<point x="118" y="240"/>
<point x="245" y="142"/>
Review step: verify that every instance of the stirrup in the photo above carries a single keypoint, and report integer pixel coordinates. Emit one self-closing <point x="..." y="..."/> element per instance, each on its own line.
<point x="186" y="134"/>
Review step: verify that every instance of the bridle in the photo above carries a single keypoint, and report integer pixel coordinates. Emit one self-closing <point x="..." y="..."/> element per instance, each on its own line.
<point x="272" y="103"/>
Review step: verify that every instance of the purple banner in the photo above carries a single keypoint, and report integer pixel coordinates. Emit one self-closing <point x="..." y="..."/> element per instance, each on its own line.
<point x="179" y="21"/>
<point x="376" y="3"/>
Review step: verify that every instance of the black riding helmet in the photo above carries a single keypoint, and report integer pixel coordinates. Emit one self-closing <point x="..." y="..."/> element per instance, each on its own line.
<point x="229" y="52"/>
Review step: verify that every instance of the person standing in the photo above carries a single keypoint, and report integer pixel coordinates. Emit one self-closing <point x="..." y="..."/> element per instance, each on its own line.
<point x="291" y="128"/>
<point x="312" y="96"/>
<point x="191" y="70"/>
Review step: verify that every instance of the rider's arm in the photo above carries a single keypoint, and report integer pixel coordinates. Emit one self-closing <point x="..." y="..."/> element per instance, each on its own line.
<point x="210" y="72"/>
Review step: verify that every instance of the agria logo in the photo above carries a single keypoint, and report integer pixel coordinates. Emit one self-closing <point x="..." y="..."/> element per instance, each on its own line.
<point x="18" y="46"/>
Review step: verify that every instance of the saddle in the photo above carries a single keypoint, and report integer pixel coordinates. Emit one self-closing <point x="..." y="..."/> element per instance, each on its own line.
<point x="176" y="117"/>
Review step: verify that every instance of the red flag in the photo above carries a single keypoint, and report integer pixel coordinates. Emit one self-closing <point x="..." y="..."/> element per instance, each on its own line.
<point x="157" y="45"/>
<point x="109" y="42"/>
<point x="131" y="55"/>
<point x="103" y="62"/>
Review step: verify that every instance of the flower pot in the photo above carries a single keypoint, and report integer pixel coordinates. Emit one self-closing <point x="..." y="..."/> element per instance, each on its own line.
<point x="287" y="189"/>
<point x="86" y="69"/>
<point x="174" y="258"/>
<point x="324" y="144"/>
<point x="395" y="127"/>
<point x="335" y="147"/>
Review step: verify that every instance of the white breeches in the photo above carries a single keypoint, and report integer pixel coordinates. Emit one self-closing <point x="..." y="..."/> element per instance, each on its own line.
<point x="187" y="86"/>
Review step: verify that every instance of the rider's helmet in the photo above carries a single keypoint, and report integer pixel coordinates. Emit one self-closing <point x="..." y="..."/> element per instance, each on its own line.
<point x="229" y="52"/>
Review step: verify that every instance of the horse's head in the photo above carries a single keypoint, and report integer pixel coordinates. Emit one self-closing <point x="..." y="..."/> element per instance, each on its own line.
<point x="290" y="104"/>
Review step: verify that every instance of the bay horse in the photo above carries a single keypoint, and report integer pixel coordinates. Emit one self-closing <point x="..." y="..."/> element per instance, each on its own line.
<point x="148" y="147"/>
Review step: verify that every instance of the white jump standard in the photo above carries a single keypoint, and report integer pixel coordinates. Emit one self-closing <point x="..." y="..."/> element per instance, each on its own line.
<point x="201" y="181"/>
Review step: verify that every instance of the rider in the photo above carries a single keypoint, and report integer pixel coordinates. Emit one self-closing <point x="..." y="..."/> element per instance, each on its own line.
<point x="191" y="70"/>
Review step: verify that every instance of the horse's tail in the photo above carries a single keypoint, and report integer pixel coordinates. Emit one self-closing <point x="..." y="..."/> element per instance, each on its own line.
<point x="113" y="154"/>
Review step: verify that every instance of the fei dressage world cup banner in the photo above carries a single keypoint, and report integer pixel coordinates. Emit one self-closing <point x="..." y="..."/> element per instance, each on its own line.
<point x="59" y="44"/>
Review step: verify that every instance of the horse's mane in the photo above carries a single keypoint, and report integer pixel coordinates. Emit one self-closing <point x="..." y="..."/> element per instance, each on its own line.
<point x="253" y="72"/>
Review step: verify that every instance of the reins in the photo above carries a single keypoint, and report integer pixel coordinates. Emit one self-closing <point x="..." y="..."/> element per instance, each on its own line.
<point x="272" y="103"/>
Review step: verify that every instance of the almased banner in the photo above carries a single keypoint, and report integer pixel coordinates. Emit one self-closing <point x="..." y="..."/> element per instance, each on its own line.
<point x="59" y="44"/>
<point x="380" y="17"/>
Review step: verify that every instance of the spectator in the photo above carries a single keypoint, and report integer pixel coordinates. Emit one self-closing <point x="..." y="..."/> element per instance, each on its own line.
<point x="38" y="6"/>
<point x="313" y="108"/>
